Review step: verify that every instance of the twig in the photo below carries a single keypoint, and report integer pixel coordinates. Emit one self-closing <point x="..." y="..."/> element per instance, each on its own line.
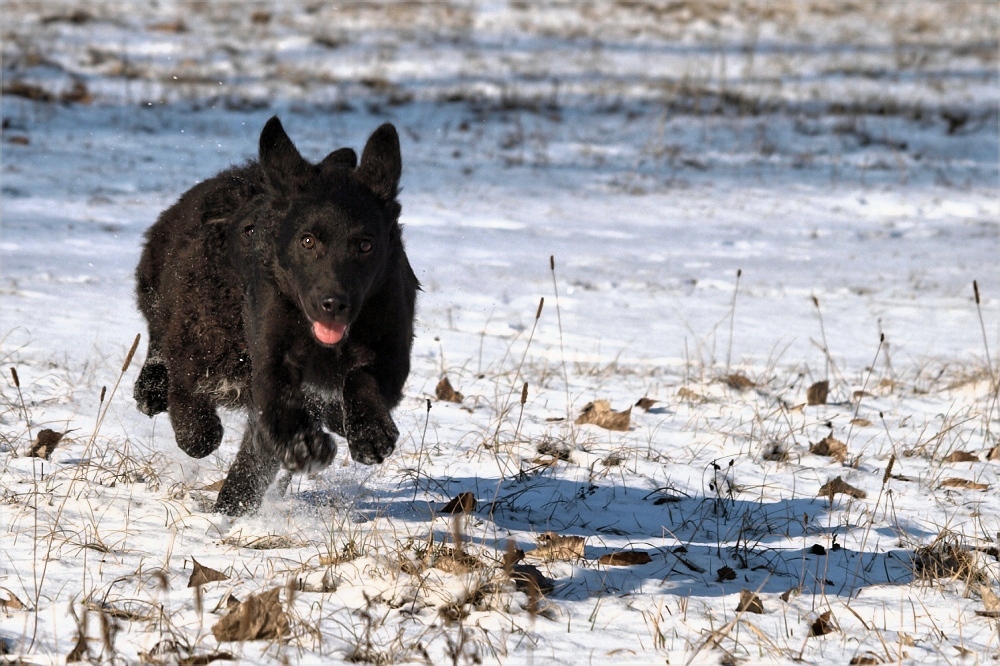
<point x="17" y="385"/>
<point x="732" y="319"/>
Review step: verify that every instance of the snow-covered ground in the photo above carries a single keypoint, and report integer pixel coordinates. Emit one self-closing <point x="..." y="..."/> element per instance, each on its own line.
<point x="741" y="200"/>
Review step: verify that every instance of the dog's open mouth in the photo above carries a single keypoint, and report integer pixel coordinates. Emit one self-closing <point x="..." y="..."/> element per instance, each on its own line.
<point x="329" y="334"/>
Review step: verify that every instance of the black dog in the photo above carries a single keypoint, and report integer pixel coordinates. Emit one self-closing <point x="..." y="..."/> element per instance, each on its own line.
<point x="282" y="287"/>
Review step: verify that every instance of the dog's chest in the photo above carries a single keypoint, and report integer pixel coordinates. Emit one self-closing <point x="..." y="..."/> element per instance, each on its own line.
<point x="323" y="394"/>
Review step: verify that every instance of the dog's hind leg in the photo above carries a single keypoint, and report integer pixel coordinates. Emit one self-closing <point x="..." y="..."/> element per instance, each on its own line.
<point x="251" y="473"/>
<point x="197" y="427"/>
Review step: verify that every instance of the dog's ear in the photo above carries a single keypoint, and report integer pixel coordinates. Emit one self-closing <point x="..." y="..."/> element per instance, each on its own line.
<point x="340" y="158"/>
<point x="279" y="157"/>
<point x="381" y="164"/>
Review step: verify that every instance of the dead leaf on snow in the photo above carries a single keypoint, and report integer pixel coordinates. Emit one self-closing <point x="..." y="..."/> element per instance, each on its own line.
<point x="201" y="574"/>
<point x="725" y="573"/>
<point x="260" y="617"/>
<point x="817" y="393"/>
<point x="685" y="393"/>
<point x="529" y="579"/>
<point x="961" y="456"/>
<point x="645" y="404"/>
<point x="994" y="453"/>
<point x="955" y="482"/>
<point x="831" y="447"/>
<point x="461" y="503"/>
<point x="822" y="625"/>
<point x="838" y="486"/>
<point x="202" y="659"/>
<point x="866" y="659"/>
<point x="990" y="600"/>
<point x="749" y="603"/>
<point x="227" y="602"/>
<point x="445" y="391"/>
<point x="738" y="381"/>
<point x="552" y="546"/>
<point x="9" y="601"/>
<point x="214" y="487"/>
<point x="625" y="558"/>
<point x="599" y="413"/>
<point x="861" y="422"/>
<point x="45" y="443"/>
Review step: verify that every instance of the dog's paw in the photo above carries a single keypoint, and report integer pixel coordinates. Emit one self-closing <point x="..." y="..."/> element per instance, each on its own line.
<point x="371" y="440"/>
<point x="151" y="389"/>
<point x="201" y="439"/>
<point x="309" y="451"/>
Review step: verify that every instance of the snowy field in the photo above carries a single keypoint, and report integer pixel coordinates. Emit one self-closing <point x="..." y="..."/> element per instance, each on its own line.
<point x="722" y="204"/>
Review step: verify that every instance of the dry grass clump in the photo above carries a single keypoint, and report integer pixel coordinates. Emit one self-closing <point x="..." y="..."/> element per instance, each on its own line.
<point x="949" y="557"/>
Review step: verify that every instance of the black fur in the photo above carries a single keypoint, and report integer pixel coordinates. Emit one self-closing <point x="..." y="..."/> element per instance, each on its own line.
<point x="243" y="276"/>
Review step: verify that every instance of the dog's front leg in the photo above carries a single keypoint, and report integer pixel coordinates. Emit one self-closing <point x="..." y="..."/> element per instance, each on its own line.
<point x="251" y="473"/>
<point x="371" y="433"/>
<point x="288" y="430"/>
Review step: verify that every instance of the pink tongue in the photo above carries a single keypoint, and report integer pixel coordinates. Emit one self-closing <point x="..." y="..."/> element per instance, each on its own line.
<point x="329" y="335"/>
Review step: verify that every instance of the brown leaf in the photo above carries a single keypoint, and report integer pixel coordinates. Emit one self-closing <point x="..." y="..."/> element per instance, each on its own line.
<point x="749" y="603"/>
<point x="738" y="381"/>
<point x="445" y="391"/>
<point x="645" y="404"/>
<point x="168" y="26"/>
<point x="625" y="558"/>
<point x="203" y="659"/>
<point x="866" y="659"/>
<point x="994" y="453"/>
<point x="461" y="503"/>
<point x="685" y="393"/>
<point x="822" y="625"/>
<point x="260" y="617"/>
<point x="552" y="546"/>
<point x="817" y="393"/>
<point x="45" y="443"/>
<point x="861" y="422"/>
<point x="955" y="482"/>
<point x="201" y="574"/>
<point x="9" y="600"/>
<point x="961" y="456"/>
<point x="725" y="573"/>
<point x="838" y="486"/>
<point x="599" y="413"/>
<point x="529" y="579"/>
<point x="828" y="446"/>
<point x="990" y="600"/>
<point x="214" y="487"/>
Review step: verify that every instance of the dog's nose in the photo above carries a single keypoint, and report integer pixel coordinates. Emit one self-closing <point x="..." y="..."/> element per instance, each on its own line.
<point x="335" y="304"/>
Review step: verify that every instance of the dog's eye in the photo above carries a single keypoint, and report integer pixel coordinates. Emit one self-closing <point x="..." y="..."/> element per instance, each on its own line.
<point x="365" y="246"/>
<point x="308" y="241"/>
<point x="248" y="230"/>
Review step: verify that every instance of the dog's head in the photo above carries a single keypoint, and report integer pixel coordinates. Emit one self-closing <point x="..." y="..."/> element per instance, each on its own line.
<point x="334" y="225"/>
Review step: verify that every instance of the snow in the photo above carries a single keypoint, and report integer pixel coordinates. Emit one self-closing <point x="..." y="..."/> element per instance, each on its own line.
<point x="782" y="192"/>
